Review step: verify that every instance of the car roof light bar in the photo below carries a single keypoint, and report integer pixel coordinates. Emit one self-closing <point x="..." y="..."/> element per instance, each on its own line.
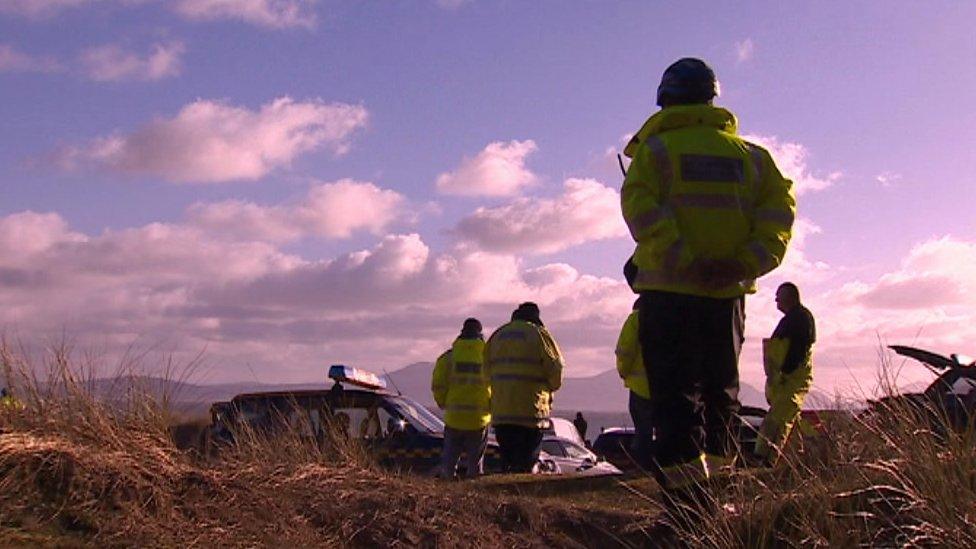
<point x="341" y="373"/>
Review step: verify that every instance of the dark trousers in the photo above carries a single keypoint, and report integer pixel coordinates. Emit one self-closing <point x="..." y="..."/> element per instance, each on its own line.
<point x="518" y="446"/>
<point x="642" y="445"/>
<point x="691" y="346"/>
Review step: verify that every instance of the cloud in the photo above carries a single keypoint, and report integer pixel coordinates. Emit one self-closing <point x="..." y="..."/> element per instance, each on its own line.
<point x="38" y="8"/>
<point x="586" y="211"/>
<point x="938" y="273"/>
<point x="13" y="60"/>
<point x="452" y="4"/>
<point x="275" y="14"/>
<point x="744" y="50"/>
<point x="792" y="160"/>
<point x="498" y="170"/>
<point x="251" y="304"/>
<point x="214" y="142"/>
<point x="329" y="210"/>
<point x="887" y="179"/>
<point x="111" y="63"/>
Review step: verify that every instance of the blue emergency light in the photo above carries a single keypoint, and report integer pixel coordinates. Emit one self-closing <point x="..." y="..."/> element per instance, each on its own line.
<point x="341" y="373"/>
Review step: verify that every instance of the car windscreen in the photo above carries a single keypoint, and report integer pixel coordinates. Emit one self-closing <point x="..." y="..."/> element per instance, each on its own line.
<point x="419" y="417"/>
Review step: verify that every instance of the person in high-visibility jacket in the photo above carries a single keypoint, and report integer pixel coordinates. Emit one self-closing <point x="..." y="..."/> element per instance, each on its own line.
<point x="710" y="213"/>
<point x="526" y="367"/>
<point x="461" y="388"/>
<point x="788" y="361"/>
<point x="630" y="367"/>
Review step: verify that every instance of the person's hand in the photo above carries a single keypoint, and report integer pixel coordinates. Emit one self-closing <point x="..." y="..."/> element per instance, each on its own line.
<point x="727" y="271"/>
<point x="715" y="273"/>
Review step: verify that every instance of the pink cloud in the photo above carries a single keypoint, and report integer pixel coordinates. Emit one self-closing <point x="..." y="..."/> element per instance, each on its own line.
<point x="792" y="160"/>
<point x="111" y="63"/>
<point x="213" y="142"/>
<point x="586" y="211"/>
<point x="38" y="8"/>
<point x="14" y="60"/>
<point x="276" y="14"/>
<point x="938" y="273"/>
<point x="744" y="50"/>
<point x="498" y="170"/>
<point x="329" y="210"/>
<point x="911" y="293"/>
<point x="387" y="305"/>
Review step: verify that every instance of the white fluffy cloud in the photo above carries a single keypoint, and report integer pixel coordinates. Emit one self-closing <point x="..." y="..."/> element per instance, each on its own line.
<point x="498" y="170"/>
<point x="250" y="303"/>
<point x="330" y="210"/>
<point x="214" y="142"/>
<point x="792" y="160"/>
<point x="112" y="63"/>
<point x="586" y="211"/>
<point x="266" y="13"/>
<point x="14" y="60"/>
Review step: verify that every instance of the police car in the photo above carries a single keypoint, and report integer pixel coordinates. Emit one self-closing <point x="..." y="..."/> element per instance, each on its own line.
<point x="397" y="430"/>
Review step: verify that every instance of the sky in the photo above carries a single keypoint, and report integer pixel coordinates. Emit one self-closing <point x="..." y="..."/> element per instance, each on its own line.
<point x="286" y="184"/>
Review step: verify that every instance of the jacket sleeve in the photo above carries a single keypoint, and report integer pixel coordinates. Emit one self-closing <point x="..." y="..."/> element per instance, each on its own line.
<point x="627" y="347"/>
<point x="552" y="360"/>
<point x="773" y="221"/>
<point x="441" y="379"/>
<point x="650" y="220"/>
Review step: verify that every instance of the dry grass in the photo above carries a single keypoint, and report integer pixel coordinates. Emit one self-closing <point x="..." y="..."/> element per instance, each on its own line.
<point x="896" y="476"/>
<point x="77" y="471"/>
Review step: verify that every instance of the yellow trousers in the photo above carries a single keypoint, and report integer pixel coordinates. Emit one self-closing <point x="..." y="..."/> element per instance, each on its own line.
<point x="785" y="394"/>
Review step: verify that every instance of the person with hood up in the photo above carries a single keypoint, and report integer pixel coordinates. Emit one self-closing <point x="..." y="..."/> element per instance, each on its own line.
<point x="461" y="388"/>
<point x="525" y="366"/>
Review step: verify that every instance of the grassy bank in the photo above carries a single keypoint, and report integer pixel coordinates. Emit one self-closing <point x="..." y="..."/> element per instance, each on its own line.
<point x="78" y="471"/>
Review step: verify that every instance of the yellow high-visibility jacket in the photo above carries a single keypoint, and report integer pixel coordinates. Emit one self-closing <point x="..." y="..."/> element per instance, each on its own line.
<point x="461" y="387"/>
<point x="10" y="404"/>
<point x="630" y="363"/>
<point x="526" y="367"/>
<point x="695" y="190"/>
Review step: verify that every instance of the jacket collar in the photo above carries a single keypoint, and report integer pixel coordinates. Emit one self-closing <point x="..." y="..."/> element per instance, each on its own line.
<point x="682" y="116"/>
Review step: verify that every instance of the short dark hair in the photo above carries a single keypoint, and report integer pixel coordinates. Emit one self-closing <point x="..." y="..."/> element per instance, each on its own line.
<point x="791" y="288"/>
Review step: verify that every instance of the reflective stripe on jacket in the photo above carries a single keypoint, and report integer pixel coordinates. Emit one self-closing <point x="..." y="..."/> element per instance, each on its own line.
<point x="695" y="190"/>
<point x="630" y="363"/>
<point x="461" y="387"/>
<point x="525" y="367"/>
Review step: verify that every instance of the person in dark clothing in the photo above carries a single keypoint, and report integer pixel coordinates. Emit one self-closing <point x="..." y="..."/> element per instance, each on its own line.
<point x="580" y="423"/>
<point x="788" y="361"/>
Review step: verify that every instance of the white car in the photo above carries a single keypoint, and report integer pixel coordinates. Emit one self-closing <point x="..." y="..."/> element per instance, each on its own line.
<point x="562" y="456"/>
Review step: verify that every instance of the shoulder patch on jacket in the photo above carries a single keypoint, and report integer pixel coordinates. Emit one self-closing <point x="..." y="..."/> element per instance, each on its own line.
<point x="707" y="168"/>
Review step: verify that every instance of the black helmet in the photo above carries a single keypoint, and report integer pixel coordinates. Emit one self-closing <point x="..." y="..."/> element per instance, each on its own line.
<point x="686" y="82"/>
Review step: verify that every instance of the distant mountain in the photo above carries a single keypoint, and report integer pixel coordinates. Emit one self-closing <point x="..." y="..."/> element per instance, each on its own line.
<point x="603" y="392"/>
